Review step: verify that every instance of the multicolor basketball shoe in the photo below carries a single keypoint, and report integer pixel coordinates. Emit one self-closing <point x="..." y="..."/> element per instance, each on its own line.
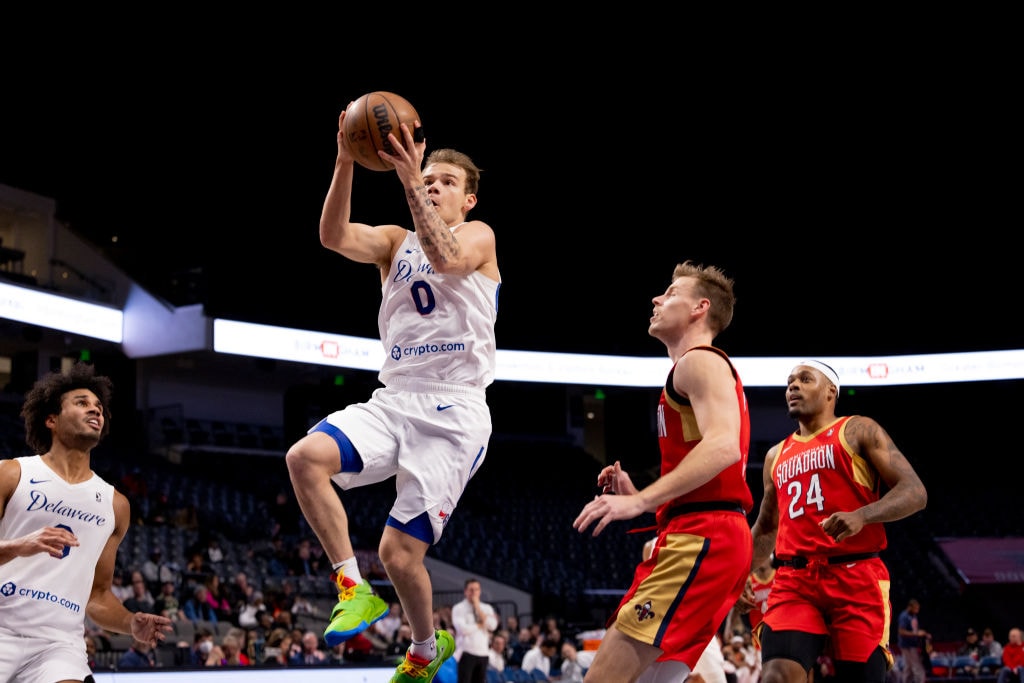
<point x="357" y="608"/>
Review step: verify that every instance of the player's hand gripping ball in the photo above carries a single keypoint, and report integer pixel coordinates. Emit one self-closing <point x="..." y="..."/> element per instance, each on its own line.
<point x="368" y="121"/>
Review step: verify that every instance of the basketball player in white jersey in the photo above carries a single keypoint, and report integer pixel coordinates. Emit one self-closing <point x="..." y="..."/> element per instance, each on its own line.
<point x="429" y="425"/>
<point x="60" y="527"/>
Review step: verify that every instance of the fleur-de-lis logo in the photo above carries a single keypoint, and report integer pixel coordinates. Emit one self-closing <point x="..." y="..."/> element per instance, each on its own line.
<point x="644" y="611"/>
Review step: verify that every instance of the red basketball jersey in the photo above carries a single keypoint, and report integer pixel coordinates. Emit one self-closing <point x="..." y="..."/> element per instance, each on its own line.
<point x="815" y="476"/>
<point x="678" y="435"/>
<point x="762" y="589"/>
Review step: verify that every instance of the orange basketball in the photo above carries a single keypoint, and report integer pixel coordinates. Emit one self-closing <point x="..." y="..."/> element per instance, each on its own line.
<point x="369" y="120"/>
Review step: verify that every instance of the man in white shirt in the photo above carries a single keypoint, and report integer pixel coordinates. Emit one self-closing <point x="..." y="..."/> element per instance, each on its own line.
<point x="539" y="657"/>
<point x="474" y="622"/>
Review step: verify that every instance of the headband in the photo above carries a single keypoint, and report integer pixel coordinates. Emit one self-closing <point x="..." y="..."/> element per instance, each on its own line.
<point x="823" y="369"/>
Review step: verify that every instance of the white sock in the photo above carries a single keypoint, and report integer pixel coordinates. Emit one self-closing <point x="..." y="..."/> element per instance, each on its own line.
<point x="350" y="568"/>
<point x="427" y="649"/>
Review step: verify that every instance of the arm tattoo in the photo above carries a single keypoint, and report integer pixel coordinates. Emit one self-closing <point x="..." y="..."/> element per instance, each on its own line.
<point x="437" y="240"/>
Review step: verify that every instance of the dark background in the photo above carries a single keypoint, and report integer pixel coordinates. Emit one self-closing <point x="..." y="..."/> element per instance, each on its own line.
<point x="862" y="199"/>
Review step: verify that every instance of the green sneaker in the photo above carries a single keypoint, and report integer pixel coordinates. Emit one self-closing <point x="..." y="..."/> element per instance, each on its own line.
<point x="416" y="670"/>
<point x="357" y="608"/>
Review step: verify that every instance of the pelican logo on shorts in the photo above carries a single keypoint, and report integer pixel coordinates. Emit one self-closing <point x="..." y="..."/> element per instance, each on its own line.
<point x="7" y="590"/>
<point x="644" y="611"/>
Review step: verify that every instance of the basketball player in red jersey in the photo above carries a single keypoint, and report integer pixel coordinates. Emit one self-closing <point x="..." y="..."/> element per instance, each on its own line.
<point x="761" y="580"/>
<point x="699" y="564"/>
<point x="822" y="513"/>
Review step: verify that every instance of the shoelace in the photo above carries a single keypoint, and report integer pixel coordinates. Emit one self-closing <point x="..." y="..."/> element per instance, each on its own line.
<point x="347" y="593"/>
<point x="411" y="669"/>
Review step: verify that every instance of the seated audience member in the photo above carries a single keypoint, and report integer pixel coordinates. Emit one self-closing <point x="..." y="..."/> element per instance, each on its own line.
<point x="202" y="645"/>
<point x="992" y="647"/>
<point x="575" y="663"/>
<point x="496" y="655"/>
<point x="276" y="649"/>
<point x="198" y="608"/>
<point x="121" y="584"/>
<point x="228" y="653"/>
<point x="397" y="648"/>
<point x="310" y="654"/>
<point x="90" y="651"/>
<point x="248" y="615"/>
<point x="387" y="626"/>
<point x="968" y="655"/>
<point x="139" y="656"/>
<point x="523" y="643"/>
<point x="1012" y="670"/>
<point x="141" y="600"/>
<point x="540" y="656"/>
<point x="167" y="603"/>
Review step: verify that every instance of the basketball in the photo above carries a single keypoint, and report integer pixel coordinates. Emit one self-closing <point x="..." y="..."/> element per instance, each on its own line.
<point x="368" y="122"/>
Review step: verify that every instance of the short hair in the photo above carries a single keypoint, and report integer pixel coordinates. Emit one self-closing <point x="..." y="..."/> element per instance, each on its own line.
<point x="714" y="284"/>
<point x="44" y="400"/>
<point x="456" y="158"/>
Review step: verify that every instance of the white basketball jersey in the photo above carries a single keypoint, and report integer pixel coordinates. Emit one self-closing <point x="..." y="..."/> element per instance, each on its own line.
<point x="40" y="595"/>
<point x="437" y="327"/>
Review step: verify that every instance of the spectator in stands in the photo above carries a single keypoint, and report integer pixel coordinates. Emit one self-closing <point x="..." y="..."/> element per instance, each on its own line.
<point x="90" y="651"/>
<point x="276" y="647"/>
<point x="248" y="614"/>
<point x="303" y="606"/>
<point x="387" y="627"/>
<point x="473" y="622"/>
<point x="359" y="648"/>
<point x="202" y="645"/>
<point x="540" y="655"/>
<point x="196" y="571"/>
<point x="1012" y="670"/>
<point x="240" y="590"/>
<point x="121" y="584"/>
<point x="167" y="602"/>
<point x="736" y="661"/>
<point x="442" y="617"/>
<point x="303" y="563"/>
<point x="575" y="663"/>
<point x="284" y="515"/>
<point x="497" y="653"/>
<point x="216" y="597"/>
<point x="399" y="645"/>
<point x="524" y="642"/>
<point x="911" y="639"/>
<point x="92" y="629"/>
<point x="141" y="600"/>
<point x="991" y="646"/>
<point x="214" y="554"/>
<point x="266" y="623"/>
<point x="228" y="653"/>
<point x="157" y="570"/>
<point x="285" y="619"/>
<point x="139" y="656"/>
<point x="310" y="654"/>
<point x="968" y="654"/>
<point x="198" y="608"/>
